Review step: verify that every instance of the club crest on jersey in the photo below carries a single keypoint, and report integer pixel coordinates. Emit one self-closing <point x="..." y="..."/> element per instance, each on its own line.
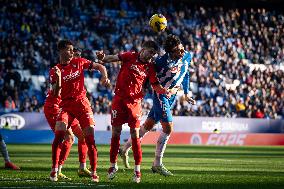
<point x="74" y="65"/>
<point x="176" y="69"/>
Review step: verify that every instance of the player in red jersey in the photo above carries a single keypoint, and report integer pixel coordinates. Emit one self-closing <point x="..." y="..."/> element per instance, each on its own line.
<point x="136" y="68"/>
<point x="51" y="111"/>
<point x="75" y="104"/>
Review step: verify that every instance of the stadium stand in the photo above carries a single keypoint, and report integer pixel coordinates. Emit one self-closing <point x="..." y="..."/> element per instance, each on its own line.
<point x="238" y="51"/>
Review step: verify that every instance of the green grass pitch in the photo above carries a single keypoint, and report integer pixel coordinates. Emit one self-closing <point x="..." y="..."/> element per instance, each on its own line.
<point x="193" y="167"/>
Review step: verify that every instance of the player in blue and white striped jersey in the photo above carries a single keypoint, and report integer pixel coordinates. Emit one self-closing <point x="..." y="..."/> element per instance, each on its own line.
<point x="173" y="72"/>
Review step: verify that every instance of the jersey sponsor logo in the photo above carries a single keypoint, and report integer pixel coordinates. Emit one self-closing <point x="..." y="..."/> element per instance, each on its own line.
<point x="71" y="76"/>
<point x="12" y="121"/>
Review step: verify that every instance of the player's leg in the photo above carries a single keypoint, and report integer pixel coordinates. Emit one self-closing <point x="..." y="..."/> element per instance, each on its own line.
<point x="137" y="153"/>
<point x="82" y="151"/>
<point x="135" y="112"/>
<point x="118" y="118"/>
<point x="85" y="117"/>
<point x="150" y="122"/>
<point x="113" y="153"/>
<point x="158" y="166"/>
<point x="167" y="124"/>
<point x="4" y="152"/>
<point x="60" y="129"/>
<point x="144" y="129"/>
<point x="65" y="150"/>
<point x="92" y="150"/>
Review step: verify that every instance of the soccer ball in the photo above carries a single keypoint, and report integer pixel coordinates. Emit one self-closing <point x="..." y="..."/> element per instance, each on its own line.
<point x="158" y="22"/>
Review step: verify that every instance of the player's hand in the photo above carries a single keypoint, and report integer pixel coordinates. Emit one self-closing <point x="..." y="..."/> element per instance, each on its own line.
<point x="189" y="100"/>
<point x="172" y="91"/>
<point x="100" y="55"/>
<point x="105" y="81"/>
<point x="168" y="93"/>
<point x="57" y="71"/>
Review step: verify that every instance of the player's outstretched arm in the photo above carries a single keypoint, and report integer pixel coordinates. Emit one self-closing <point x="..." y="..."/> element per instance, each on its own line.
<point x="107" y="58"/>
<point x="57" y="86"/>
<point x="189" y="99"/>
<point x="105" y="81"/>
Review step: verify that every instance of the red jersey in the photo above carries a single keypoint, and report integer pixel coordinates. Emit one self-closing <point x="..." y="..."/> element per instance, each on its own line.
<point x="72" y="78"/>
<point x="132" y="76"/>
<point x="51" y="99"/>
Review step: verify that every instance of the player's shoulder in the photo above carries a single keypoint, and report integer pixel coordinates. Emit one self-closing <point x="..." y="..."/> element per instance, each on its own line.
<point x="187" y="56"/>
<point x="162" y="59"/>
<point x="128" y="56"/>
<point x="52" y="69"/>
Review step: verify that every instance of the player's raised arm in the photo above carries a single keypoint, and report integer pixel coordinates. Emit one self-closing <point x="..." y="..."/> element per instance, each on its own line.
<point x="185" y="84"/>
<point x="107" y="58"/>
<point x="105" y="81"/>
<point x="56" y="87"/>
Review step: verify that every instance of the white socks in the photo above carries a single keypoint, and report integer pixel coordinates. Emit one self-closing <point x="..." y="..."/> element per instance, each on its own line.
<point x="160" y="148"/>
<point x="127" y="145"/>
<point x="83" y="166"/>
<point x="54" y="170"/>
<point x="59" y="168"/>
<point x="137" y="168"/>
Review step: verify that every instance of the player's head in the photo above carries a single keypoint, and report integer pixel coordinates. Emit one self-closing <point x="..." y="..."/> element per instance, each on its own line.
<point x="77" y="52"/>
<point x="65" y="48"/>
<point x="173" y="46"/>
<point x="148" y="51"/>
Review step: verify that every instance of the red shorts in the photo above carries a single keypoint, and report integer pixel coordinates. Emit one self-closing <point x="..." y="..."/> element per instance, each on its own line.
<point x="79" y="109"/>
<point x="51" y="114"/>
<point x="125" y="111"/>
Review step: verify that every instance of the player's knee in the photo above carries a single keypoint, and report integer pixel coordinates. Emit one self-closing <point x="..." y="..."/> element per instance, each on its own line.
<point x="70" y="138"/>
<point x="78" y="133"/>
<point x="116" y="131"/>
<point x="134" y="132"/>
<point x="167" y="127"/>
<point x="149" y="124"/>
<point x="88" y="130"/>
<point x="60" y="126"/>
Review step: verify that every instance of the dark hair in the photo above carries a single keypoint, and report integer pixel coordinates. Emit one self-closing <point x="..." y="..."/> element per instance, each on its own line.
<point x="62" y="44"/>
<point x="171" y="42"/>
<point x="150" y="44"/>
<point x="77" y="49"/>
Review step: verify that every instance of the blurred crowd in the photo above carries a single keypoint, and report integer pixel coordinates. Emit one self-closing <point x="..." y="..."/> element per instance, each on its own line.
<point x="237" y="52"/>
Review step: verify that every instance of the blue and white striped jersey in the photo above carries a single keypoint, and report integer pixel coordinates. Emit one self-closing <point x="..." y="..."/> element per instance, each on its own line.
<point x="172" y="74"/>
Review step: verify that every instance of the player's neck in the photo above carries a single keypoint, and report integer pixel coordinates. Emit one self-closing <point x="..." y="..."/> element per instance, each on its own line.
<point x="64" y="62"/>
<point x="174" y="58"/>
<point x="142" y="60"/>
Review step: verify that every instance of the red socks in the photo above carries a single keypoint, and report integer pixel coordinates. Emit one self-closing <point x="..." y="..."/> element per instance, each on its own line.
<point x="65" y="150"/>
<point x="82" y="150"/>
<point x="137" y="151"/>
<point x="56" y="147"/>
<point x="114" y="147"/>
<point x="92" y="151"/>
